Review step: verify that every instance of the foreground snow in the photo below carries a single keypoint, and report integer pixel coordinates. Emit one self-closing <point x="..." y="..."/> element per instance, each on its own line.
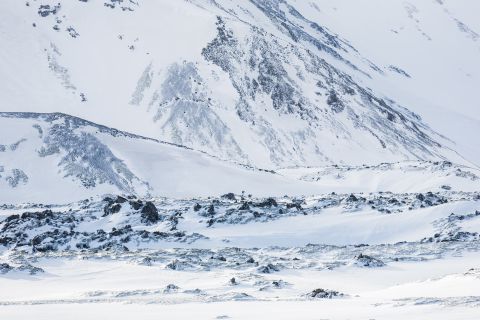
<point x="80" y="289"/>
<point x="378" y="255"/>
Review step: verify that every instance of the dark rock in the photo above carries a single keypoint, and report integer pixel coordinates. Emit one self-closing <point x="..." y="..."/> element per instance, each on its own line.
<point x="46" y="10"/>
<point x="4" y="241"/>
<point x="5" y="268"/>
<point x="269" y="268"/>
<point x="136" y="204"/>
<point x="147" y="261"/>
<point x="211" y="210"/>
<point x="112" y="209"/>
<point x="36" y="240"/>
<point x="244" y="206"/>
<point x="32" y="270"/>
<point x="37" y="215"/>
<point x="122" y="231"/>
<point x="11" y="218"/>
<point x="294" y="205"/>
<point x="334" y="102"/>
<point x="175" y="265"/>
<point x="325" y="294"/>
<point x="352" y="198"/>
<point x="364" y="260"/>
<point x="149" y="213"/>
<point x="269" y="202"/>
<point x="229" y="196"/>
<point x="171" y="288"/>
<point x="120" y="199"/>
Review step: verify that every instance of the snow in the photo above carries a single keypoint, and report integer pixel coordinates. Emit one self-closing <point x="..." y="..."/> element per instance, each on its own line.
<point x="443" y="79"/>
<point x="371" y="292"/>
<point x="216" y="114"/>
<point x="337" y="227"/>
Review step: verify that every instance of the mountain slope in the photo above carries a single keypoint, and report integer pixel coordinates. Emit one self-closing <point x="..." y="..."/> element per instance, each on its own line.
<point x="257" y="82"/>
<point x="56" y="157"/>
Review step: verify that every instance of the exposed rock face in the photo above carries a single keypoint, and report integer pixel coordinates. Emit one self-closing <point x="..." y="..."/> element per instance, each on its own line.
<point x="269" y="268"/>
<point x="325" y="294"/>
<point x="149" y="213"/>
<point x="265" y="74"/>
<point x="364" y="260"/>
<point x="73" y="144"/>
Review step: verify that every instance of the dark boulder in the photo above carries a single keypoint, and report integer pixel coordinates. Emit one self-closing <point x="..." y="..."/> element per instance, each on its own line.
<point x="269" y="268"/>
<point x="120" y="199"/>
<point x="38" y="215"/>
<point x="244" y="206"/>
<point x="229" y="196"/>
<point x="211" y="210"/>
<point x="111" y="209"/>
<point x="136" y="204"/>
<point x="420" y="197"/>
<point x="352" y="198"/>
<point x="324" y="294"/>
<point x="295" y="205"/>
<point x="269" y="202"/>
<point x="149" y="213"/>
<point x="364" y="260"/>
<point x="5" y="268"/>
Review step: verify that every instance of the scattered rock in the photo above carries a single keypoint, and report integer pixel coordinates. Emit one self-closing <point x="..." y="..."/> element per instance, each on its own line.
<point x="5" y="268"/>
<point x="45" y="10"/>
<point x="229" y="196"/>
<point x="325" y="294"/>
<point x="171" y="288"/>
<point x="364" y="260"/>
<point x="269" y="202"/>
<point x="269" y="268"/>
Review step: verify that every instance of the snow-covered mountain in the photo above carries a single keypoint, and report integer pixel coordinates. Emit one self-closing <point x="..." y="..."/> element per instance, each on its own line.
<point x="278" y="159"/>
<point x="266" y="83"/>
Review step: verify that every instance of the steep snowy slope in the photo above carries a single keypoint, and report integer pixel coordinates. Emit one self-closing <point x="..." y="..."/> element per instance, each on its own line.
<point x="259" y="82"/>
<point x="437" y="44"/>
